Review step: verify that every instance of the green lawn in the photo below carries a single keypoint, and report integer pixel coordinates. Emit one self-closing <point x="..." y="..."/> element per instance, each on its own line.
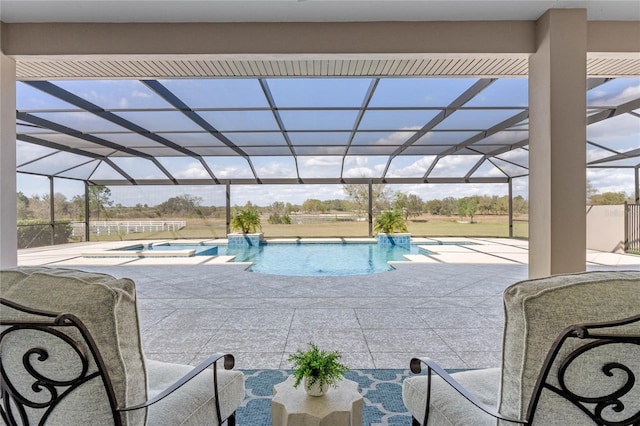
<point x="485" y="226"/>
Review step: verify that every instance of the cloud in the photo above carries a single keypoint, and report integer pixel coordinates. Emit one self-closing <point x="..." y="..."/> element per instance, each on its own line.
<point x="520" y="156"/>
<point x="264" y="195"/>
<point x="509" y="137"/>
<point x="627" y="95"/>
<point x="356" y="160"/>
<point x="357" y="166"/>
<point x="596" y="153"/>
<point x="140" y="94"/>
<point x="416" y="168"/>
<point x="603" y="97"/>
<point x="320" y="167"/>
<point x="396" y="138"/>
<point x="320" y="161"/>
<point x="611" y="180"/>
<point x="192" y="170"/>
<point x="356" y="172"/>
<point x="454" y="165"/>
<point x="615" y="129"/>
<point x="229" y="172"/>
<point x="275" y="169"/>
<point x="28" y="152"/>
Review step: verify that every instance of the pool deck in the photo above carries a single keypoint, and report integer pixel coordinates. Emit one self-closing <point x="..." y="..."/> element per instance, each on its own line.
<point x="447" y="306"/>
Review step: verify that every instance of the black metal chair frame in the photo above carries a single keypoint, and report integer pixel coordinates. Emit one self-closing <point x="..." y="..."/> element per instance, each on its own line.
<point x="593" y="339"/>
<point x="55" y="325"/>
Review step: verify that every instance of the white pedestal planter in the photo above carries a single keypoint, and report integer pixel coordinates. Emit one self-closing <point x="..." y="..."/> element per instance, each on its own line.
<point x="395" y="239"/>
<point x="342" y="406"/>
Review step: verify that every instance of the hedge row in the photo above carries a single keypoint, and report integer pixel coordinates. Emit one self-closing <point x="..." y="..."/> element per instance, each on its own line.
<point x="37" y="233"/>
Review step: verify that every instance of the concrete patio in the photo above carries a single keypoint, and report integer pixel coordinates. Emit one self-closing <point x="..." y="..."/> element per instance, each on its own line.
<point x="448" y="307"/>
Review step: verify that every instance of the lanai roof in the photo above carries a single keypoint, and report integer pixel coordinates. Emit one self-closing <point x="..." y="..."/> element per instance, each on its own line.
<point x="301" y="130"/>
<point x="261" y="106"/>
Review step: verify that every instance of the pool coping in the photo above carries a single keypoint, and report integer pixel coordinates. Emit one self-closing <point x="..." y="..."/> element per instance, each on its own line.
<point x="126" y="252"/>
<point x="486" y="250"/>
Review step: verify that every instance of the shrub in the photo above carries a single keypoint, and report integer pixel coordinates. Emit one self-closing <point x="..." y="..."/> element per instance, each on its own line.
<point x="391" y="221"/>
<point x="246" y="221"/>
<point x="37" y="233"/>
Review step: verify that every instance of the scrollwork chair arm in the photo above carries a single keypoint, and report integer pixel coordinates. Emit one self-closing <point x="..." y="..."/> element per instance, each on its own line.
<point x="416" y="368"/>
<point x="229" y="362"/>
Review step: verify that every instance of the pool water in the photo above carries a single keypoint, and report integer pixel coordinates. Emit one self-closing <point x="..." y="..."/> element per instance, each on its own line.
<point x="320" y="259"/>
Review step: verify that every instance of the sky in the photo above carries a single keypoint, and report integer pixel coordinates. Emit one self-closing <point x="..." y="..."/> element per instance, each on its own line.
<point x="237" y="109"/>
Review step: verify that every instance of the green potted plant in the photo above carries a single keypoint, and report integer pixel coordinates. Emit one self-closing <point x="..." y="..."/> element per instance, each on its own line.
<point x="317" y="369"/>
<point x="247" y="221"/>
<point x="391" y="221"/>
<point x="392" y="228"/>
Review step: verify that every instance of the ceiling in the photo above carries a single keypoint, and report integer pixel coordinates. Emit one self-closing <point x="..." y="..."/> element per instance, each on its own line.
<point x="14" y="11"/>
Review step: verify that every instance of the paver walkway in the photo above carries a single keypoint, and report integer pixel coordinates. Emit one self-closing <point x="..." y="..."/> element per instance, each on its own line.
<point x="450" y="309"/>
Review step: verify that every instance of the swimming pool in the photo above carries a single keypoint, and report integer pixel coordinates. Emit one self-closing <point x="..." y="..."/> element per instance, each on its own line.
<point x="294" y="258"/>
<point x="320" y="259"/>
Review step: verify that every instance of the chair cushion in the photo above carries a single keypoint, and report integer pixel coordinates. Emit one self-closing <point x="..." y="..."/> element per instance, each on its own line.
<point x="536" y="311"/>
<point x="448" y="407"/>
<point x="107" y="307"/>
<point x="194" y="403"/>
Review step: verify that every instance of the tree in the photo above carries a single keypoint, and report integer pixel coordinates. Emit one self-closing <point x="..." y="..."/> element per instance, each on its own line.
<point x="22" y="204"/>
<point x="76" y="207"/>
<point x="591" y="191"/>
<point x="502" y="204"/>
<point x="358" y="194"/>
<point x="608" y="198"/>
<point x="182" y="205"/>
<point x="487" y="204"/>
<point x="277" y="207"/>
<point x="520" y="205"/>
<point x="449" y="206"/>
<point x="60" y="206"/>
<point x="433" y="207"/>
<point x="337" y="205"/>
<point x="288" y="208"/>
<point x="277" y="219"/>
<point x="312" y="205"/>
<point x="99" y="200"/>
<point x="39" y="207"/>
<point x="467" y="206"/>
<point x="411" y="204"/>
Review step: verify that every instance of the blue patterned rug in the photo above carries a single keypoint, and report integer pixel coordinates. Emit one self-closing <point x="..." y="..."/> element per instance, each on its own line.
<point x="381" y="389"/>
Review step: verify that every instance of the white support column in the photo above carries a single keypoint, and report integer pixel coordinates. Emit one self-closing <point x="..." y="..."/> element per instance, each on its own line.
<point x="227" y="210"/>
<point x="370" y="216"/>
<point x="8" y="231"/>
<point x="557" y="135"/>
<point x="510" y="190"/>
<point x="637" y="185"/>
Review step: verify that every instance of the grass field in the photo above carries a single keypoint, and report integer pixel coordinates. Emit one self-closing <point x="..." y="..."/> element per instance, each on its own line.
<point x="425" y="226"/>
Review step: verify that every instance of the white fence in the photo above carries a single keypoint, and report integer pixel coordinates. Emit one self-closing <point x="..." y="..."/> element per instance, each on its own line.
<point x="108" y="227"/>
<point x="312" y="219"/>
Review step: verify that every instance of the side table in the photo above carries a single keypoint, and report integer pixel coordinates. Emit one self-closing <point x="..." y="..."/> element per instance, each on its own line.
<point x="293" y="407"/>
